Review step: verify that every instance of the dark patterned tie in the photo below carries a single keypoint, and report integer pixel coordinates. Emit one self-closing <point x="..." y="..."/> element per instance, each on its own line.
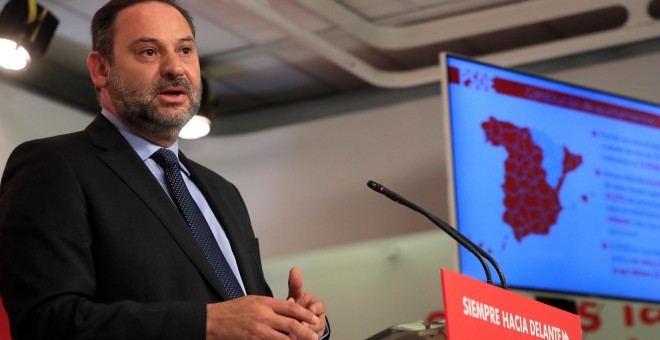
<point x="196" y="221"/>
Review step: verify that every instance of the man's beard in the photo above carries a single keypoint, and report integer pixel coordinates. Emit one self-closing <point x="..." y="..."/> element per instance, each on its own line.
<point x="137" y="109"/>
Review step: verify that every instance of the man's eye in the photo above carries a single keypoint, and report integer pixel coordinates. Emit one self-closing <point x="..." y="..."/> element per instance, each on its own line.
<point x="149" y="52"/>
<point x="186" y="50"/>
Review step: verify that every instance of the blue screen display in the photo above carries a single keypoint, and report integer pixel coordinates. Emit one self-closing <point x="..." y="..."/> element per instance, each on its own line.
<point x="559" y="183"/>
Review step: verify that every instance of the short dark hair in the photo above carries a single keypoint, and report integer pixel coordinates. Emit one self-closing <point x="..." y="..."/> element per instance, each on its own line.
<point x="103" y="32"/>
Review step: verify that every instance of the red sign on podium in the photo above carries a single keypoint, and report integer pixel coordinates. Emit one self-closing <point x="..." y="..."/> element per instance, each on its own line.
<point x="4" y="324"/>
<point x="477" y="310"/>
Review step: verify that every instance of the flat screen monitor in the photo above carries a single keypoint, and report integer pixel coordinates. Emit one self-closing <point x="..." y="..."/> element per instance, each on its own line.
<point x="560" y="183"/>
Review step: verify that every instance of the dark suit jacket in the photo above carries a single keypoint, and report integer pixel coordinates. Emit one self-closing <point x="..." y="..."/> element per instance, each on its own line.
<point x="92" y="247"/>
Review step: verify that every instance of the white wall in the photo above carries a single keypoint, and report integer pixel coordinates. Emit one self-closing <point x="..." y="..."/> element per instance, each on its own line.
<point x="25" y="116"/>
<point x="305" y="186"/>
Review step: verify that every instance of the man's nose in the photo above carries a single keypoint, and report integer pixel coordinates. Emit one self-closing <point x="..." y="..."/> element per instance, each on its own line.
<point x="171" y="66"/>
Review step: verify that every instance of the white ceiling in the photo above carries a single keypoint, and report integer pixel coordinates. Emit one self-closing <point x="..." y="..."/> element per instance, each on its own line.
<point x="261" y="53"/>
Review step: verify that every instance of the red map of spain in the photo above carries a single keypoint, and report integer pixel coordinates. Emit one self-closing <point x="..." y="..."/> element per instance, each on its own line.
<point x="532" y="204"/>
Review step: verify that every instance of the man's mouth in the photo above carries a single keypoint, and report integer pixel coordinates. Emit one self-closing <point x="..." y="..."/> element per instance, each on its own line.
<point x="173" y="92"/>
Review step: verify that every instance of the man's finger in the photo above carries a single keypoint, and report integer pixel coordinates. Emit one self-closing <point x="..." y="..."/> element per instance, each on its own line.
<point x="317" y="308"/>
<point x="295" y="284"/>
<point x="291" y="309"/>
<point x="294" y="328"/>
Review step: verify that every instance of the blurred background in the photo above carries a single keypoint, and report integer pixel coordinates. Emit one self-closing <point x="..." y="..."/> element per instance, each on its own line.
<point x="310" y="99"/>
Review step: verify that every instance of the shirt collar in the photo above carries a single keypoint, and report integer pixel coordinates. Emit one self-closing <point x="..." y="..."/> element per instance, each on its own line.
<point x="142" y="147"/>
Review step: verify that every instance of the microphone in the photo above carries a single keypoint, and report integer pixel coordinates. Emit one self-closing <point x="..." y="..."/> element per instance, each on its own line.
<point x="478" y="252"/>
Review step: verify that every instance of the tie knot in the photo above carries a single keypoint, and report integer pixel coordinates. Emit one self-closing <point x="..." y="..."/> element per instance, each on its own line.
<point x="165" y="158"/>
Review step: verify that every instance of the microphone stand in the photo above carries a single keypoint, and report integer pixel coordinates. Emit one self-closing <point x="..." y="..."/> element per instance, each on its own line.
<point x="477" y="251"/>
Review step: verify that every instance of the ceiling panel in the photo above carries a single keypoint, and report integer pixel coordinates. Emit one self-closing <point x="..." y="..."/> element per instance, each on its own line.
<point x="405" y="12"/>
<point x="234" y="18"/>
<point x="254" y="61"/>
<point x="229" y="99"/>
<point x="374" y="9"/>
<point x="86" y="7"/>
<point x="320" y="68"/>
<point x="300" y="15"/>
<point x="282" y="79"/>
<point x="214" y="39"/>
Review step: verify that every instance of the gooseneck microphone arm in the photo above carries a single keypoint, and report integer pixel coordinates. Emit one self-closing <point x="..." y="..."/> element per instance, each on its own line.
<point x="478" y="252"/>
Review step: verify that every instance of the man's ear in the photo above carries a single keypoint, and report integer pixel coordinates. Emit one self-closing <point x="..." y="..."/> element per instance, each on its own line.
<point x="99" y="68"/>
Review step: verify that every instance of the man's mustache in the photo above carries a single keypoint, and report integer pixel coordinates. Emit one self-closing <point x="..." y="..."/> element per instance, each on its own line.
<point x="169" y="83"/>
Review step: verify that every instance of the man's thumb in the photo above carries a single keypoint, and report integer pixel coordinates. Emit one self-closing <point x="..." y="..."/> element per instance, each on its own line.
<point x="295" y="284"/>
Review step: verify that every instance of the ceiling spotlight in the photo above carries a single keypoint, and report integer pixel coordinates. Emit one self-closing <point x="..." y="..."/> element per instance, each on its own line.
<point x="198" y="127"/>
<point x="26" y="29"/>
<point x="200" y="124"/>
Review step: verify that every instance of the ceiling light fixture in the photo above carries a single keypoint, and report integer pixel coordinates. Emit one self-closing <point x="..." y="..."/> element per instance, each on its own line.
<point x="198" y="127"/>
<point x="26" y="29"/>
<point x="200" y="124"/>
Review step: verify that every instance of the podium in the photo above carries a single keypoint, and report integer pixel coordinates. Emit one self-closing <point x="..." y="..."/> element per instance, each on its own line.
<point x="477" y="310"/>
<point x="413" y="331"/>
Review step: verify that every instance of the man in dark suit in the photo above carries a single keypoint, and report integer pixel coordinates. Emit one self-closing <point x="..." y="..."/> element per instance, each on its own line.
<point x="94" y="240"/>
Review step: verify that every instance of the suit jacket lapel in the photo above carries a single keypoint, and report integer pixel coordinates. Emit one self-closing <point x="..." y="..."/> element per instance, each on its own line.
<point x="123" y="160"/>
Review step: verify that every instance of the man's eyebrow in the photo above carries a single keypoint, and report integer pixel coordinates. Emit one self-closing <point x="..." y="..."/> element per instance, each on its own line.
<point x="146" y="40"/>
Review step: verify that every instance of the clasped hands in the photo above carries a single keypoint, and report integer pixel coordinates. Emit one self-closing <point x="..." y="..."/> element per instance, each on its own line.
<point x="300" y="316"/>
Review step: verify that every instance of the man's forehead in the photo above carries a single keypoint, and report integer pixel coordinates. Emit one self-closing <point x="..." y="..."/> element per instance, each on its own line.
<point x="149" y="18"/>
